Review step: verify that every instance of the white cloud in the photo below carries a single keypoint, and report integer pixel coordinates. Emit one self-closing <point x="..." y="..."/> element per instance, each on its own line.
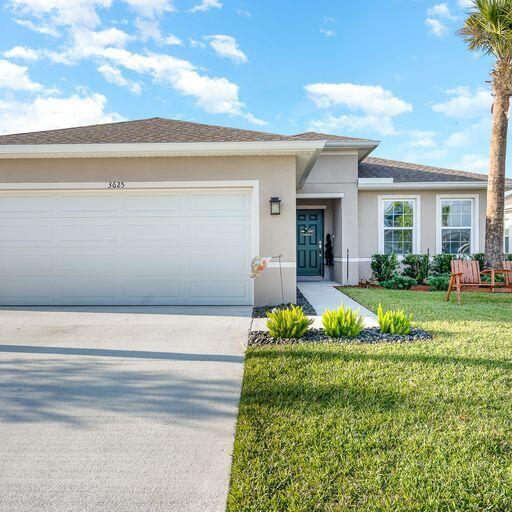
<point x="441" y="11"/>
<point x="466" y="4"/>
<point x="436" y="27"/>
<point x="16" y="77"/>
<point x="465" y="104"/>
<point x="422" y="139"/>
<point x="327" y="32"/>
<point x="22" y="53"/>
<point x="206" y="5"/>
<point x="353" y="124"/>
<point x="148" y="28"/>
<point x="378" y="105"/>
<point x="227" y="46"/>
<point x="472" y="134"/>
<point x="41" y="29"/>
<point x="61" y="12"/>
<point x="471" y="162"/>
<point x="372" y="99"/>
<point x="151" y="8"/>
<point x="114" y="76"/>
<point x="244" y="13"/>
<point x="48" y="113"/>
<point x="171" y="39"/>
<point x="87" y="43"/>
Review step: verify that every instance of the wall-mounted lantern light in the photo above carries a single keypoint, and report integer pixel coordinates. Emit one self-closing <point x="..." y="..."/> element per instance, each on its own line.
<point x="275" y="206"/>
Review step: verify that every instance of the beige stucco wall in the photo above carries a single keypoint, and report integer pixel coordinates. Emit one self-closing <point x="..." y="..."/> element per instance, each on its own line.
<point x="369" y="221"/>
<point x="338" y="173"/>
<point x="276" y="177"/>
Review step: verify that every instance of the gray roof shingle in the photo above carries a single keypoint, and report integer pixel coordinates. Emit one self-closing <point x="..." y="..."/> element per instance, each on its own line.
<point x="328" y="137"/>
<point x="153" y="130"/>
<point x="407" y="172"/>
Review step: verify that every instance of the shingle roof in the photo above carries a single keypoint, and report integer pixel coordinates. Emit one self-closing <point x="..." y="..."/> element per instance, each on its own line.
<point x="406" y="172"/>
<point x="153" y="130"/>
<point x="328" y="137"/>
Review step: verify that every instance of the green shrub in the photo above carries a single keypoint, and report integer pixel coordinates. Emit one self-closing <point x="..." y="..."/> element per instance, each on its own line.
<point x="480" y="257"/>
<point x="289" y="323"/>
<point x="417" y="267"/>
<point x="399" y="283"/>
<point x="441" y="264"/>
<point x="508" y="257"/>
<point x="384" y="266"/>
<point x="342" y="322"/>
<point x="394" y="322"/>
<point x="439" y="283"/>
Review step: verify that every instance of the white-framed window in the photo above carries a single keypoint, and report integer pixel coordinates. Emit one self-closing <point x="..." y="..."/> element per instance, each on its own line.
<point x="399" y="224"/>
<point x="508" y="239"/>
<point x="457" y="224"/>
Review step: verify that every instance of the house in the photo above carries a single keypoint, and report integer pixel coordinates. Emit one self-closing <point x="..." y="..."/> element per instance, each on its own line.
<point x="160" y="211"/>
<point x="508" y="222"/>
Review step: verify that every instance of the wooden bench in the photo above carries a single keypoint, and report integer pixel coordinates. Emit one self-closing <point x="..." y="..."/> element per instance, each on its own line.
<point x="466" y="275"/>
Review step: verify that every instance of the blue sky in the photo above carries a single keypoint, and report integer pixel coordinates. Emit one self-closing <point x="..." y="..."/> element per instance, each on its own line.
<point x="392" y="70"/>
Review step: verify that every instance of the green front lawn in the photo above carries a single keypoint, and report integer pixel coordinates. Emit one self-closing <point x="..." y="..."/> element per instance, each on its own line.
<point x="412" y="427"/>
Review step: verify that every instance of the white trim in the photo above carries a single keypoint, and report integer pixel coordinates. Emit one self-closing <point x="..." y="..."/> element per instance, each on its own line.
<point x="416" y="229"/>
<point x="423" y="185"/>
<point x="311" y="207"/>
<point x="284" y="264"/>
<point x="475" y="220"/>
<point x="340" y="153"/>
<point x="375" y="181"/>
<point x="128" y="185"/>
<point x="350" y="260"/>
<point x="321" y="195"/>
<point x="158" y="149"/>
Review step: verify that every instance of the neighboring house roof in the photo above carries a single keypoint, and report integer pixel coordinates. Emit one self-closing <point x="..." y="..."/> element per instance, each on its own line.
<point x="406" y="172"/>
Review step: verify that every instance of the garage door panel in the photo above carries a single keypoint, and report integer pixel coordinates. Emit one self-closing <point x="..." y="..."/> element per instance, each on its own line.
<point x="219" y="203"/>
<point x="233" y="289"/>
<point x="173" y="263"/>
<point x="21" y="230"/>
<point x="125" y="247"/>
<point x="219" y="261"/>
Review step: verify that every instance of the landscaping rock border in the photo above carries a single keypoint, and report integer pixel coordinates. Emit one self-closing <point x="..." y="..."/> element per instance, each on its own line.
<point x="369" y="335"/>
<point x="309" y="310"/>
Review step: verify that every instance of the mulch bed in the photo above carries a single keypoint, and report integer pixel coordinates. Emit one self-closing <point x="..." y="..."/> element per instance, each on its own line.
<point x="309" y="310"/>
<point x="369" y="335"/>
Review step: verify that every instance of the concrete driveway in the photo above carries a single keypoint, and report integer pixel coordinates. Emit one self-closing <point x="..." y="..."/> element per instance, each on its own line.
<point x="118" y="409"/>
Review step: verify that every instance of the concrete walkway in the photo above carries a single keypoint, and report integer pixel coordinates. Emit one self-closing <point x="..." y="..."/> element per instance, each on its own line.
<point x="118" y="409"/>
<point x="323" y="295"/>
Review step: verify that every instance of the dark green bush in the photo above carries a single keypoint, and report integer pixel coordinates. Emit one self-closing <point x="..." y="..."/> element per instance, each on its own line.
<point x="439" y="283"/>
<point x="384" y="266"/>
<point x="480" y="257"/>
<point x="508" y="257"/>
<point x="441" y="264"/>
<point x="416" y="266"/>
<point x="397" y="282"/>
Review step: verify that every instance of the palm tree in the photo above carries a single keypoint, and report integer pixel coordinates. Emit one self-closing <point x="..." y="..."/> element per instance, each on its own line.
<point x="488" y="29"/>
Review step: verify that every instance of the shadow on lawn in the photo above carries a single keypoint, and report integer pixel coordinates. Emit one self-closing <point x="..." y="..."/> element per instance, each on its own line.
<point x="327" y="355"/>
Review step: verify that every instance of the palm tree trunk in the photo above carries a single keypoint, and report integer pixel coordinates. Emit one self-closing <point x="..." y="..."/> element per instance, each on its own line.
<point x="494" y="229"/>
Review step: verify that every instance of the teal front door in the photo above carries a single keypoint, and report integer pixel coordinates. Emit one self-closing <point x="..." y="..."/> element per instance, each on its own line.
<point x="310" y="236"/>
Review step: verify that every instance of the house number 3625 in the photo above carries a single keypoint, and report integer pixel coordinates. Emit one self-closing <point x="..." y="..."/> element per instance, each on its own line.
<point x="116" y="184"/>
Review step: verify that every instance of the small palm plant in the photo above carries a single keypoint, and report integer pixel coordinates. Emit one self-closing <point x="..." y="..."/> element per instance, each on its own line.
<point x="394" y="322"/>
<point x="342" y="322"/>
<point x="289" y="323"/>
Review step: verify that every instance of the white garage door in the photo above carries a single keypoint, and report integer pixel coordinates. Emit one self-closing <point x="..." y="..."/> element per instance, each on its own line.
<point x="126" y="247"/>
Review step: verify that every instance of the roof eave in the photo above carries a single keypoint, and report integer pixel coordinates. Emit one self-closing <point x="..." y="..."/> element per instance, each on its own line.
<point x="421" y="185"/>
<point x="363" y="148"/>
